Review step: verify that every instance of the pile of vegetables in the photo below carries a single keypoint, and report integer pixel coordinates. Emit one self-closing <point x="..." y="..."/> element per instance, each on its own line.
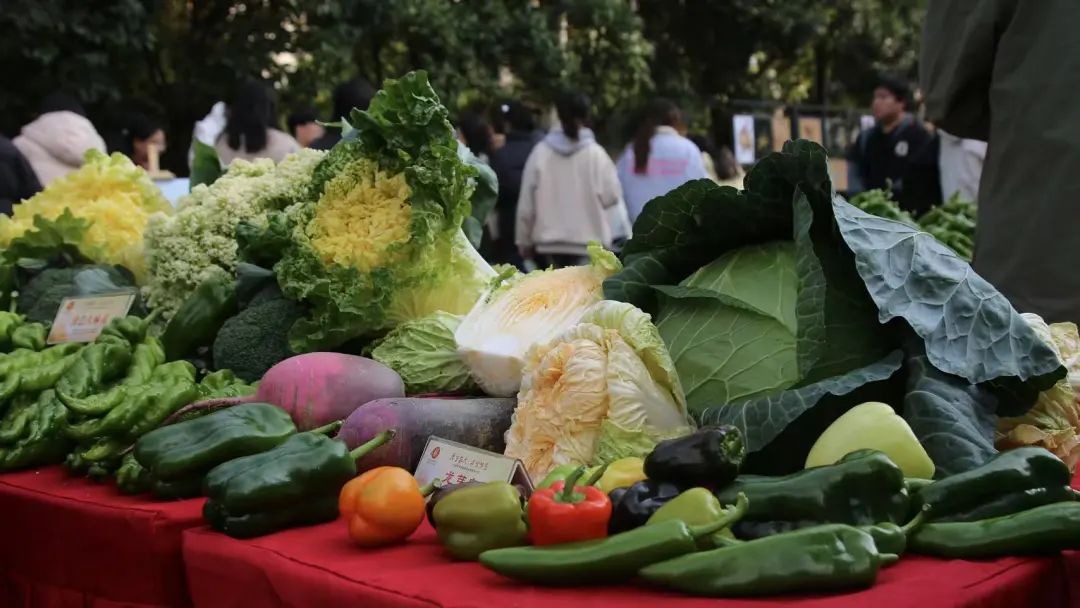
<point x="764" y="375"/>
<point x="783" y="306"/>
<point x="953" y="224"/>
<point x="113" y="196"/>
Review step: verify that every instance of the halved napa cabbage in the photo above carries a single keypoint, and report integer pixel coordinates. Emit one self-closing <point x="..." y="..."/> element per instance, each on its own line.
<point x="525" y="310"/>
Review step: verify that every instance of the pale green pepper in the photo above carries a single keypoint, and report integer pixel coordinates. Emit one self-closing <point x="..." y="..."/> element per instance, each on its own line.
<point x="873" y="426"/>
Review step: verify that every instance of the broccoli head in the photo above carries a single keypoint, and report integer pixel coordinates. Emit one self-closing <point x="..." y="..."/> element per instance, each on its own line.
<point x="256" y="338"/>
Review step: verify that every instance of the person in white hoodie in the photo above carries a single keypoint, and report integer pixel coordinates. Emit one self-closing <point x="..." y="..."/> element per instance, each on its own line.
<point x="56" y="141"/>
<point x="660" y="159"/>
<point x="568" y="191"/>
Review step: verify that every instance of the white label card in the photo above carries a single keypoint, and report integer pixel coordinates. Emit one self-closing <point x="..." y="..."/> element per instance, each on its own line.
<point x="450" y="462"/>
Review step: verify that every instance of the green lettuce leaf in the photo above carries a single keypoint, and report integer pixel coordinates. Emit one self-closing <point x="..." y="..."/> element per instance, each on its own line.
<point x="423" y="352"/>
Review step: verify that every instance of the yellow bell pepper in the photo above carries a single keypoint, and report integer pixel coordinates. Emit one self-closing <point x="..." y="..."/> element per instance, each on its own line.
<point x="622" y="473"/>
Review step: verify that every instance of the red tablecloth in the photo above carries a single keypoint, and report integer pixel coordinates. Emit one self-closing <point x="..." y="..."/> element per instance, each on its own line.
<point x="318" y="567"/>
<point x="71" y="543"/>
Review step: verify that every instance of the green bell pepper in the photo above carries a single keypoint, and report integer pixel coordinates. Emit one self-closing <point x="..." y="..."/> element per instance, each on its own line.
<point x="200" y="317"/>
<point x="999" y="487"/>
<point x="863" y="488"/>
<point x="478" y="518"/>
<point x="194" y="447"/>
<point x="284" y="486"/>
<point x="249" y="525"/>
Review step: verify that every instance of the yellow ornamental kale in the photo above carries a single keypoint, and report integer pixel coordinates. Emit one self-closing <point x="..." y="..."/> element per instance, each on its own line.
<point x="379" y="240"/>
<point x="112" y="193"/>
<point x="199" y="240"/>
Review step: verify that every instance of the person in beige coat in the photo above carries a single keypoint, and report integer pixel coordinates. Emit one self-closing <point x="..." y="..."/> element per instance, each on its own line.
<point x="57" y="140"/>
<point x="570" y="192"/>
<point x="248" y="134"/>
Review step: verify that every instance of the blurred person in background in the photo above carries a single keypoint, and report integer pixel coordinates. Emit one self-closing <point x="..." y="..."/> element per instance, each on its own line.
<point x="508" y="162"/>
<point x="247" y="134"/>
<point x="728" y="170"/>
<point x="898" y="153"/>
<point x="304" y="127"/>
<point x="56" y="142"/>
<point x="708" y="154"/>
<point x="17" y="179"/>
<point x="138" y="135"/>
<point x="475" y="132"/>
<point x="1002" y="72"/>
<point x="355" y="93"/>
<point x="568" y="188"/>
<point x="659" y="159"/>
<point x="961" y="162"/>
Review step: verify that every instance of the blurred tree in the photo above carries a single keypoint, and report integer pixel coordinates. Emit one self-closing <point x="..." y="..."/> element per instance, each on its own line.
<point x="786" y="50"/>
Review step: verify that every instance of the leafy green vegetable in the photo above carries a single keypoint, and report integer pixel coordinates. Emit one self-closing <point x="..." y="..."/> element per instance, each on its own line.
<point x="953" y="419"/>
<point x="969" y="329"/>
<point x="483" y="197"/>
<point x="603" y="389"/>
<point x="730" y="326"/>
<point x="423" y="352"/>
<point x="379" y="240"/>
<point x="206" y="167"/>
<point x="862" y="282"/>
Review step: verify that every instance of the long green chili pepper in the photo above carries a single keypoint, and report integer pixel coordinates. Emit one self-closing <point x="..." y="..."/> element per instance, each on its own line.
<point x="97" y="364"/>
<point x="43" y="442"/>
<point x="9" y="321"/>
<point x="612" y="559"/>
<point x="37" y="379"/>
<point x="25" y="359"/>
<point x="141" y="411"/>
<point x="16" y="419"/>
<point x="130" y="328"/>
<point x="1046" y="529"/>
<point x="30" y="336"/>
<point x="148" y="355"/>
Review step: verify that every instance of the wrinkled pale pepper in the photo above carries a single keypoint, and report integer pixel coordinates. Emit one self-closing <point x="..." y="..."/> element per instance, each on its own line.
<point x="622" y="473"/>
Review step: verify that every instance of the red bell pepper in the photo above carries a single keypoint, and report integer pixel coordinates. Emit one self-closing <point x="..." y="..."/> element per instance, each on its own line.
<point x="566" y="513"/>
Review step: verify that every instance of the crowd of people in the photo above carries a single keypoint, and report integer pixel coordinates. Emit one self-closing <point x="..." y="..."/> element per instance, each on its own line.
<point x="559" y="188"/>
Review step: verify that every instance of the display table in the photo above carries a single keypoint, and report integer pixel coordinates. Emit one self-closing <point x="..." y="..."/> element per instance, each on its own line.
<point x="319" y="567"/>
<point x="71" y="543"/>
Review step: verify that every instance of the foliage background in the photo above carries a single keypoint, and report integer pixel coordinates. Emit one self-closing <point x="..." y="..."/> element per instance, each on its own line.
<point x="174" y="58"/>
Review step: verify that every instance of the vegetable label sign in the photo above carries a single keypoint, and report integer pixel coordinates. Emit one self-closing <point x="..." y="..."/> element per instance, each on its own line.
<point x="82" y="319"/>
<point x="451" y="462"/>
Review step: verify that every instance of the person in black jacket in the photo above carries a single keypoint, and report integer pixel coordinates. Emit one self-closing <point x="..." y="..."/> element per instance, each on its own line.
<point x="17" y="179"/>
<point x="355" y="93"/>
<point x="899" y="153"/>
<point x="508" y="162"/>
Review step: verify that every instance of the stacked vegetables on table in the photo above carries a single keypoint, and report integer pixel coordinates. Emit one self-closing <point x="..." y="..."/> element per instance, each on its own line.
<point x="771" y="391"/>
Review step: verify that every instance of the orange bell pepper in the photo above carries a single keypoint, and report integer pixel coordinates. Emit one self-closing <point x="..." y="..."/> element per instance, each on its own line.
<point x="383" y="506"/>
